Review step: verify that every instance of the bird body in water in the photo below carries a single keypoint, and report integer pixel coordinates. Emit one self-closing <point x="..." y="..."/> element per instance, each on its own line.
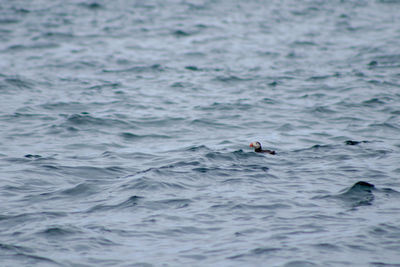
<point x="258" y="148"/>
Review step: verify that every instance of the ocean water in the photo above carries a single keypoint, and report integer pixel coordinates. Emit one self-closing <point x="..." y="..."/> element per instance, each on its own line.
<point x="125" y="129"/>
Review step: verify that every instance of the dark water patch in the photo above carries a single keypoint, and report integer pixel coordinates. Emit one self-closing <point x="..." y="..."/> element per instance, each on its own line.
<point x="250" y="167"/>
<point x="138" y="69"/>
<point x="131" y="137"/>
<point x="85" y="119"/>
<point x="67" y="107"/>
<point x="8" y="21"/>
<point x="385" y="61"/>
<point x="195" y="54"/>
<point x="17" y="82"/>
<point x="193" y="68"/>
<point x="109" y="154"/>
<point x="181" y="33"/>
<point x="92" y="6"/>
<point x="106" y="85"/>
<point x="354" y="143"/>
<point x="361" y="186"/>
<point x="303" y="43"/>
<point x="60" y="36"/>
<point x="225" y="107"/>
<point x="4" y="36"/>
<point x="295" y="55"/>
<point x="270" y="54"/>
<point x="63" y="130"/>
<point x="264" y="250"/>
<point x="35" y="46"/>
<point x="231" y="79"/>
<point x="389" y="231"/>
<point x="15" y="248"/>
<point x="257" y="252"/>
<point x="203" y="69"/>
<point x="359" y="247"/>
<point x="17" y="160"/>
<point x="169" y="167"/>
<point x="201" y="148"/>
<point x="50" y="167"/>
<point x="269" y="101"/>
<point x="321" y="110"/>
<point x="196" y="257"/>
<point x="373" y="102"/>
<point x="390" y="192"/>
<point x="39" y="159"/>
<point x="181" y="85"/>
<point x="314" y="148"/>
<point x="30" y="156"/>
<point x="234" y="169"/>
<point x="274" y="83"/>
<point x="373" y="63"/>
<point x="80" y="190"/>
<point x="129" y="204"/>
<point x="151" y="184"/>
<point x="174" y="203"/>
<point x="323" y="77"/>
<point x="59" y="231"/>
<point x="214" y="170"/>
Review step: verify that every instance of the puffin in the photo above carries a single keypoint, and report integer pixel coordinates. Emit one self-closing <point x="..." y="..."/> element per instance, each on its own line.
<point x="258" y="148"/>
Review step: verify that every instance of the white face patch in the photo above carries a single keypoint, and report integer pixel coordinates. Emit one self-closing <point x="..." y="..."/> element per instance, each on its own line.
<point x="256" y="145"/>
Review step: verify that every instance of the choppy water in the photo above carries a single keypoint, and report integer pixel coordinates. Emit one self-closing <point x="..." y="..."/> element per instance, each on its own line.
<point x="125" y="125"/>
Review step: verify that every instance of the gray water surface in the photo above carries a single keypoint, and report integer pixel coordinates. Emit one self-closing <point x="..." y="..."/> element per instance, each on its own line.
<point x="125" y="129"/>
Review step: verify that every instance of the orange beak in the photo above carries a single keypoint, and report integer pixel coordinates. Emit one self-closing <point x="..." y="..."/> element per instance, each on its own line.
<point x="251" y="145"/>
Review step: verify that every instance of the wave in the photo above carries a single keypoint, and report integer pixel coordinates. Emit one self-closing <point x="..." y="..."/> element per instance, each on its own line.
<point x="131" y="136"/>
<point x="126" y="204"/>
<point x="361" y="194"/>
<point x="35" y="46"/>
<point x="59" y="231"/>
<point x="86" y="119"/>
<point x="12" y="84"/>
<point x="138" y="69"/>
<point x="145" y="183"/>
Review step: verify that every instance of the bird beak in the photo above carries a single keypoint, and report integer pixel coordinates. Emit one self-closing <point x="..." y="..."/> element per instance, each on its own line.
<point x="251" y="145"/>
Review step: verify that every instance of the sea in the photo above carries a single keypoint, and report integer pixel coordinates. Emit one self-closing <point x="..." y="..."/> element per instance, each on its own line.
<point x="125" y="128"/>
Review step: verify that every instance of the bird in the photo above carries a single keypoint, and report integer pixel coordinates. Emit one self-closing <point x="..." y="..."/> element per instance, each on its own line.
<point x="258" y="148"/>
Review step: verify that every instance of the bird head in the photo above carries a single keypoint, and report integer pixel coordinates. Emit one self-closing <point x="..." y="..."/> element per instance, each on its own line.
<point x="256" y="145"/>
